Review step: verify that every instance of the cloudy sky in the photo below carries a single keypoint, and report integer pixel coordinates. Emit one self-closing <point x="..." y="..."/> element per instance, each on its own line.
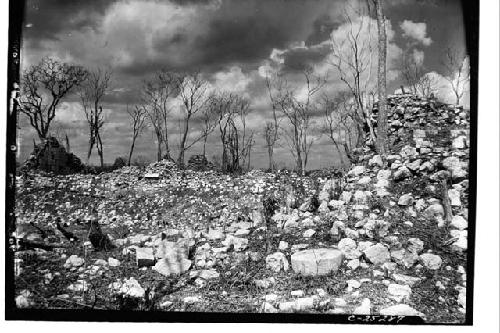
<point x="233" y="43"/>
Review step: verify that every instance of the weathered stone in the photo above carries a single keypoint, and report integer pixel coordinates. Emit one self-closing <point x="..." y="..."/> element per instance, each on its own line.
<point x="348" y="248"/>
<point x="376" y="160"/>
<point x="405" y="200"/>
<point x="172" y="265"/>
<point x="399" y="292"/>
<point x="319" y="261"/>
<point x="400" y="310"/>
<point x="214" y="234"/>
<point x="353" y="264"/>
<point x="129" y="287"/>
<point x="384" y="175"/>
<point x="356" y="170"/>
<point x="377" y="254"/>
<point x="277" y="262"/>
<point x="309" y="233"/>
<point x="346" y="196"/>
<point x="406" y="279"/>
<point x="364" y="308"/>
<point x="454" y="196"/>
<point x="144" y="256"/>
<point x="431" y="261"/>
<point x="113" y="262"/>
<point x="75" y="261"/>
<point x="404" y="258"/>
<point x="455" y="166"/>
<point x="434" y="211"/>
<point x="206" y="274"/>
<point x="402" y="173"/>
<point x="415" y="245"/>
<point x="459" y="222"/>
<point x="283" y="245"/>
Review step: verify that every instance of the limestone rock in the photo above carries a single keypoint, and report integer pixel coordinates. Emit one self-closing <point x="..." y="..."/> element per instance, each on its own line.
<point x="348" y="248"/>
<point x="320" y="261"/>
<point x="431" y="261"/>
<point x="405" y="200"/>
<point x="459" y="222"/>
<point x="276" y="262"/>
<point x="364" y="308"/>
<point x="377" y="254"/>
<point x="415" y="245"/>
<point x="172" y="265"/>
<point x="144" y="257"/>
<point x="400" y="310"/>
<point x="399" y="292"/>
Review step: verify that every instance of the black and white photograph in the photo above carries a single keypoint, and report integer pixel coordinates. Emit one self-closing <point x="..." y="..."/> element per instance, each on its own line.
<point x="293" y="161"/>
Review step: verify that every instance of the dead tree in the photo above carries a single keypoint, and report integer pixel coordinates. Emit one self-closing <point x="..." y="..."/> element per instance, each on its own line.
<point x="192" y="91"/>
<point x="343" y="125"/>
<point x="352" y="58"/>
<point x="298" y="112"/>
<point x="137" y="122"/>
<point x="414" y="76"/>
<point x="91" y="93"/>
<point x="43" y="86"/>
<point x="271" y="128"/>
<point x="382" y="142"/>
<point x="457" y="72"/>
<point x="156" y="95"/>
<point x="237" y="142"/>
<point x="209" y="119"/>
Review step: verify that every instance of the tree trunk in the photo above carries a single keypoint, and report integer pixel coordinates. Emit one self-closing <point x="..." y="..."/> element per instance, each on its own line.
<point x="180" y="159"/>
<point x="89" y="152"/>
<point x="382" y="89"/>
<point x="270" y="153"/>
<point x="158" y="151"/>
<point x="131" y="150"/>
<point x="100" y="150"/>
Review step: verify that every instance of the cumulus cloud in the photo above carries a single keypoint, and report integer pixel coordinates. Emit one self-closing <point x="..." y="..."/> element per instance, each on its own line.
<point x="416" y="31"/>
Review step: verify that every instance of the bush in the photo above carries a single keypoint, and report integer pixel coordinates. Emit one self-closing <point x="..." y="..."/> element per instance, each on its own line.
<point x="120" y="162"/>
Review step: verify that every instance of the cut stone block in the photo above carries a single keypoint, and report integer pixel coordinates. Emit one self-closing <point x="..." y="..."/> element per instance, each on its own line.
<point x="144" y="257"/>
<point x="315" y="262"/>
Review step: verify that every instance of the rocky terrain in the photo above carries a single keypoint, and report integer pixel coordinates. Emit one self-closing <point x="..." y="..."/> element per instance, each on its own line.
<point x="387" y="237"/>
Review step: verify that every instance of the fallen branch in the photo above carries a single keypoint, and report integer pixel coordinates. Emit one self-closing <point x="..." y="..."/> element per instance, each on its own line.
<point x="446" y="202"/>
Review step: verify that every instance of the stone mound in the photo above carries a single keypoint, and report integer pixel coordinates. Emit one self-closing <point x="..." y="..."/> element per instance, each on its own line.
<point x="51" y="156"/>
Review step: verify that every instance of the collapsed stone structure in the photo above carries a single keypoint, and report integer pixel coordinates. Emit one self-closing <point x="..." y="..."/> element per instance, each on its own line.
<point x="199" y="163"/>
<point x="51" y="156"/>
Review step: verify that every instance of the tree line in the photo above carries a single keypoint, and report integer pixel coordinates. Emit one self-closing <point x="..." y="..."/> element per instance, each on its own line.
<point x="347" y="117"/>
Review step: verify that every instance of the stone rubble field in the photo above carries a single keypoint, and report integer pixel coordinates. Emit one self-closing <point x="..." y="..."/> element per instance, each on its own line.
<point x="379" y="240"/>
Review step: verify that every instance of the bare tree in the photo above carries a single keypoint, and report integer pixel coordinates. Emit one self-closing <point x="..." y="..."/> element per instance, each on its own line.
<point x="298" y="113"/>
<point x="209" y="119"/>
<point x="237" y="142"/>
<point x="352" y="57"/>
<point x="343" y="125"/>
<point x="137" y="121"/>
<point x="271" y="128"/>
<point x="43" y="86"/>
<point x="382" y="142"/>
<point x="91" y="93"/>
<point x="192" y="91"/>
<point x="414" y="76"/>
<point x="457" y="71"/>
<point x="156" y="94"/>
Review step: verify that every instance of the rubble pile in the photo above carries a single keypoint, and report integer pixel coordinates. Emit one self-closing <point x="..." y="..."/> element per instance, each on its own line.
<point x="51" y="156"/>
<point x="199" y="163"/>
<point x="387" y="232"/>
